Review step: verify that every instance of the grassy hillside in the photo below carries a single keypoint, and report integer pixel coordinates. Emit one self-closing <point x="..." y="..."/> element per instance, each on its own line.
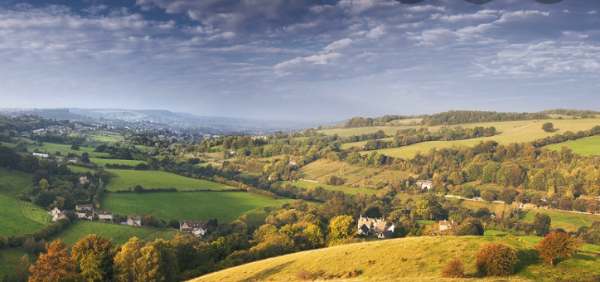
<point x="341" y="188"/>
<point x="103" y="162"/>
<point x="149" y="179"/>
<point x="118" y="233"/>
<point x="225" y="206"/>
<point x="589" y="146"/>
<point x="19" y="217"/>
<point x="511" y="132"/>
<point x="355" y="176"/>
<point x="63" y="149"/>
<point x="407" y="259"/>
<point x="14" y="182"/>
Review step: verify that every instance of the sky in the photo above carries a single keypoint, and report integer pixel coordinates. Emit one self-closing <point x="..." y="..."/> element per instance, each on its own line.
<point x="300" y="59"/>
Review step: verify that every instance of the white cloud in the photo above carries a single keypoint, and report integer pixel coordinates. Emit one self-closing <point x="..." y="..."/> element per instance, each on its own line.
<point x="337" y="45"/>
<point x="479" y="15"/>
<point x="376" y="32"/>
<point x="323" y="57"/>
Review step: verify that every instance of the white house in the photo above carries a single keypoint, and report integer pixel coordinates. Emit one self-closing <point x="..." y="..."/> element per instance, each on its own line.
<point x="105" y="216"/>
<point x="85" y="211"/>
<point x="425" y="184"/>
<point x="445" y="225"/>
<point x="57" y="214"/>
<point x="41" y="155"/>
<point x="196" y="228"/>
<point x="375" y="226"/>
<point x="134" y="221"/>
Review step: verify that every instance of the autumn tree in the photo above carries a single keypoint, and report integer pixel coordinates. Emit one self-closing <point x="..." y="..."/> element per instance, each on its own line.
<point x="340" y="229"/>
<point x="157" y="262"/>
<point x="93" y="252"/>
<point x="454" y="269"/>
<point x="496" y="260"/>
<point x="54" y="265"/>
<point x="557" y="246"/>
<point x="124" y="260"/>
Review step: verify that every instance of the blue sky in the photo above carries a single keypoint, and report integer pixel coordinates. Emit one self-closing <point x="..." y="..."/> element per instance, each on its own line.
<point x="300" y="60"/>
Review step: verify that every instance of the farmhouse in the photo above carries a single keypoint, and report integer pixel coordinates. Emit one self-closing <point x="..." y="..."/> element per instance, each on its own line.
<point x="41" y="155"/>
<point x="57" y="214"/>
<point x="83" y="180"/>
<point x="196" y="228"/>
<point x="85" y="211"/>
<point x="105" y="216"/>
<point x="375" y="226"/>
<point x="425" y="184"/>
<point x="134" y="221"/>
<point x="445" y="226"/>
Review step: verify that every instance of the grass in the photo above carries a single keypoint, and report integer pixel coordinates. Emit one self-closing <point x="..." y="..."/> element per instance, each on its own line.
<point x="565" y="220"/>
<point x="341" y="188"/>
<point x="347" y="132"/>
<point x="123" y="180"/>
<point x="225" y="206"/>
<point x="117" y="233"/>
<point x="64" y="150"/>
<point x="589" y="146"/>
<point x="13" y="182"/>
<point x="511" y="132"/>
<point x="406" y="259"/>
<point x="103" y="162"/>
<point x="107" y="138"/>
<point x="79" y="169"/>
<point x="18" y="217"/>
<point x="355" y="176"/>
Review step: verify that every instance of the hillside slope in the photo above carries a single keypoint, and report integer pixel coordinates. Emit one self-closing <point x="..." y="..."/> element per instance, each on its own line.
<point x="407" y="259"/>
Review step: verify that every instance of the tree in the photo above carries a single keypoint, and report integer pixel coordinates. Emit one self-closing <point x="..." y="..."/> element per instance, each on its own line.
<point x="470" y="226"/>
<point x="157" y="262"/>
<point x="124" y="260"/>
<point x="454" y="269"/>
<point x="340" y="229"/>
<point x="557" y="246"/>
<point x="496" y="260"/>
<point x="54" y="265"/>
<point x="85" y="158"/>
<point x="93" y="247"/>
<point x="44" y="185"/>
<point x="548" y="127"/>
<point x="541" y="224"/>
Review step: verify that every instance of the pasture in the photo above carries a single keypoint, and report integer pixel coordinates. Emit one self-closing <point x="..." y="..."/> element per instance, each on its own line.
<point x="412" y="259"/>
<point x="355" y="176"/>
<point x="14" y="182"/>
<point x="124" y="179"/>
<point x="107" y="137"/>
<point x="589" y="146"/>
<point x="308" y="185"/>
<point x="64" y="150"/>
<point x="103" y="162"/>
<point x="510" y="132"/>
<point x="18" y="217"/>
<point x="116" y="232"/>
<point x="225" y="206"/>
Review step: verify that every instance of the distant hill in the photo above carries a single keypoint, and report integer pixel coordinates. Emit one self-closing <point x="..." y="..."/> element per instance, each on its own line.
<point x="163" y="118"/>
<point x="407" y="259"/>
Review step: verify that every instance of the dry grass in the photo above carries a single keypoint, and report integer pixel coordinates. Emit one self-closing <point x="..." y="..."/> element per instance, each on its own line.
<point x="355" y="176"/>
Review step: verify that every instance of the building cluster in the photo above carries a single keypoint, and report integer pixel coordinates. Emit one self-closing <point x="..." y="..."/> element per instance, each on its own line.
<point x="375" y="227"/>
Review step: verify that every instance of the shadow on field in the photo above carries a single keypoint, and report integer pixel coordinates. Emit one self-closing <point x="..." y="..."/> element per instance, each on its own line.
<point x="263" y="275"/>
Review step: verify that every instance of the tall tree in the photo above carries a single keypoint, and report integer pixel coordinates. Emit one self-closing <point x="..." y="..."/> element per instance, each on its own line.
<point x="557" y="246"/>
<point x="124" y="260"/>
<point x="157" y="262"/>
<point x="98" y="248"/>
<point x="340" y="229"/>
<point x="54" y="265"/>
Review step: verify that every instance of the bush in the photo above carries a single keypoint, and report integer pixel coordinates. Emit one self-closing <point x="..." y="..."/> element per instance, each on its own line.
<point x="454" y="269"/>
<point x="470" y="226"/>
<point x="548" y="127"/>
<point x="557" y="246"/>
<point x="496" y="260"/>
<point x="335" y="180"/>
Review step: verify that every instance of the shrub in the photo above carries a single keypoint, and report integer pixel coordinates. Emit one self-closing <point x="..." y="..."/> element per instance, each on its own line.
<point x="454" y="269"/>
<point x="557" y="246"/>
<point x="470" y="226"/>
<point x="548" y="127"/>
<point x="496" y="260"/>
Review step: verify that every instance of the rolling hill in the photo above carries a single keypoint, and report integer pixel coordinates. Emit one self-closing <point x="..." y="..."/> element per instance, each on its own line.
<point x="407" y="259"/>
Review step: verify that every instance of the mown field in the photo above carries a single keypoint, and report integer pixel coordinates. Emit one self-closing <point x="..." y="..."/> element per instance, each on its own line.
<point x="124" y="179"/>
<point x="589" y="146"/>
<point x="103" y="162"/>
<point x="340" y="188"/>
<point x="225" y="206"/>
<point x="14" y="182"/>
<point x="407" y="259"/>
<point x="511" y="132"/>
<point x="18" y="217"/>
<point x="117" y="233"/>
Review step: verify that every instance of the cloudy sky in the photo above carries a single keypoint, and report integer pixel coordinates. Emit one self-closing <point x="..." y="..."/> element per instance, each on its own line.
<point x="300" y="59"/>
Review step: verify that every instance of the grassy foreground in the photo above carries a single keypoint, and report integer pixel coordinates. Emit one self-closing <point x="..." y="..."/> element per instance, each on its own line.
<point x="407" y="259"/>
<point x="18" y="217"/>
<point x="225" y="206"/>
<point x="124" y="179"/>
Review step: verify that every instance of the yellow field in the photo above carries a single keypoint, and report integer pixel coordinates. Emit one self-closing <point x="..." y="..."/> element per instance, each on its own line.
<point x="355" y="176"/>
<point x="511" y="132"/>
<point x="407" y="259"/>
<point x="347" y="132"/>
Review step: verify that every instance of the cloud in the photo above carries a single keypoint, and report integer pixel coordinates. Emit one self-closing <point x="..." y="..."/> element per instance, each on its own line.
<point x="376" y="32"/>
<point x="478" y="16"/>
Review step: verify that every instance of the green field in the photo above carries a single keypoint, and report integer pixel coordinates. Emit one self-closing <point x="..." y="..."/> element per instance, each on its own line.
<point x="64" y="150"/>
<point x="589" y="146"/>
<point x="510" y="132"/>
<point x="225" y="206"/>
<point x="103" y="162"/>
<point x="19" y="217"/>
<point x="125" y="179"/>
<point x="80" y="169"/>
<point x="341" y="188"/>
<point x="408" y="259"/>
<point x="116" y="232"/>
<point x="565" y="220"/>
<point x="107" y="137"/>
<point x="14" y="182"/>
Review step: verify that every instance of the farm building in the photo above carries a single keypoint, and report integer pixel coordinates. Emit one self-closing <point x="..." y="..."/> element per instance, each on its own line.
<point x="84" y="211"/>
<point x="105" y="216"/>
<point x="446" y="226"/>
<point x="57" y="214"/>
<point x="425" y="184"/>
<point x="375" y="226"/>
<point x="40" y="155"/>
<point x="196" y="228"/>
<point x="134" y="221"/>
